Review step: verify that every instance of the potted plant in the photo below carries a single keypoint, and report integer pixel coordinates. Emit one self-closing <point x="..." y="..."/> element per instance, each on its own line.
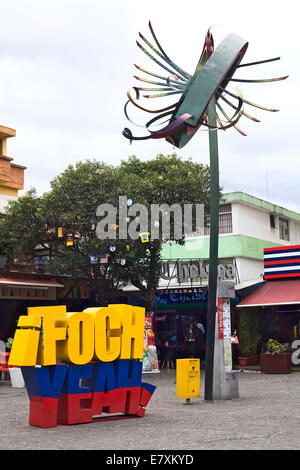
<point x="249" y="334"/>
<point x="276" y="359"/>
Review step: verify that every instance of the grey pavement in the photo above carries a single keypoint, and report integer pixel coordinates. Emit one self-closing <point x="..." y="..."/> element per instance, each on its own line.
<point x="266" y="416"/>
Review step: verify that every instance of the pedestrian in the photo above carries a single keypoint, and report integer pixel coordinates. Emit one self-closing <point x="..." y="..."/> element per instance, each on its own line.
<point x="190" y="337"/>
<point x="200" y="340"/>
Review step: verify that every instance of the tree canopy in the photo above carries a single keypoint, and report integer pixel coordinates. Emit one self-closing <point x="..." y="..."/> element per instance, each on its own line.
<point x="34" y="224"/>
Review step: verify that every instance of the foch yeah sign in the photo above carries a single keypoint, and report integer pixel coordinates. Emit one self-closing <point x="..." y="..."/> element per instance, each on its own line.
<point x="84" y="366"/>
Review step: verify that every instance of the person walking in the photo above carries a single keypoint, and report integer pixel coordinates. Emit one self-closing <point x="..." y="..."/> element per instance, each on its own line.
<point x="200" y="340"/>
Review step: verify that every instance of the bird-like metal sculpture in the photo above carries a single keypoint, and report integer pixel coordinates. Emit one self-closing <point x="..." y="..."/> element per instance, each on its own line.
<point x="214" y="71"/>
<point x="202" y="97"/>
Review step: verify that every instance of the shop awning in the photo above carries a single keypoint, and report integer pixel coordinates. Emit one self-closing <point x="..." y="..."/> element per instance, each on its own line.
<point x="23" y="282"/>
<point x="274" y="293"/>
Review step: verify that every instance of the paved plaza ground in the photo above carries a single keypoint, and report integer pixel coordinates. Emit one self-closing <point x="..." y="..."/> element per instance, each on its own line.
<point x="265" y="416"/>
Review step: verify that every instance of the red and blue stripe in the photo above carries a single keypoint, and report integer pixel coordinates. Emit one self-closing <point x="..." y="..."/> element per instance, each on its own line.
<point x="69" y="394"/>
<point x="282" y="262"/>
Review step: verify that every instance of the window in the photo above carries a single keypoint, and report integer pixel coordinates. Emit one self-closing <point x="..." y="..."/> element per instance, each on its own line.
<point x="284" y="229"/>
<point x="225" y="220"/>
<point x="272" y="221"/>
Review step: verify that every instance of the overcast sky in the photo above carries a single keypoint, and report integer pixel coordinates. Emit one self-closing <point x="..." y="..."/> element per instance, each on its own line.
<point x="66" y="66"/>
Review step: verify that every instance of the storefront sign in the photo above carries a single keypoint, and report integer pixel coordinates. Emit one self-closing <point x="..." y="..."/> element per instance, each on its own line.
<point x="181" y="297"/>
<point x="194" y="269"/>
<point x="91" y="357"/>
<point x="295" y="358"/>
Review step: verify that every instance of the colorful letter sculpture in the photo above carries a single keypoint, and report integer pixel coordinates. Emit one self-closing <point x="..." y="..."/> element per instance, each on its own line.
<point x="84" y="366"/>
<point x="212" y="75"/>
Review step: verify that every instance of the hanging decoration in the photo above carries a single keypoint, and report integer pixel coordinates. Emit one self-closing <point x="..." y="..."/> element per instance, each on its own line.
<point x="60" y="232"/>
<point x="70" y="241"/>
<point x="131" y="253"/>
<point x="104" y="258"/>
<point x="94" y="259"/>
<point x="144" y="236"/>
<point x="46" y="226"/>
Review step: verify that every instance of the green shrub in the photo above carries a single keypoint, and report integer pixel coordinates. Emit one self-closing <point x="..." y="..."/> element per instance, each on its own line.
<point x="249" y="333"/>
<point x="274" y="347"/>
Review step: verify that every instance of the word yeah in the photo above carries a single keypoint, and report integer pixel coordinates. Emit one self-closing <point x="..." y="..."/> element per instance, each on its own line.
<point x="48" y="335"/>
<point x="67" y="394"/>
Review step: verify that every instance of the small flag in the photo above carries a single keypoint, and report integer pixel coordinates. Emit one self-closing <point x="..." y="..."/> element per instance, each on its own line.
<point x="104" y="258"/>
<point x="94" y="259"/>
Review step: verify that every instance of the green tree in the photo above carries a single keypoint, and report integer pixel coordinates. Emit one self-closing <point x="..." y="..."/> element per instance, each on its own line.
<point x="71" y="204"/>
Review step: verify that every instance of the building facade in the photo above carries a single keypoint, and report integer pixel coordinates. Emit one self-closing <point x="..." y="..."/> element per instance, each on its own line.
<point x="11" y="174"/>
<point x="21" y="284"/>
<point x="247" y="225"/>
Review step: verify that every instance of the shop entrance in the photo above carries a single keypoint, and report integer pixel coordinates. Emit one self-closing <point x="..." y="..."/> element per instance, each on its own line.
<point x="169" y="331"/>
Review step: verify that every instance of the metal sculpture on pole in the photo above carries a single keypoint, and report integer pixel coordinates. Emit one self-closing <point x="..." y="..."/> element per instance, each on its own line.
<point x="201" y="100"/>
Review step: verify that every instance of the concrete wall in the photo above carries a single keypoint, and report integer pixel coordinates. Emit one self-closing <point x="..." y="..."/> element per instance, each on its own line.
<point x="255" y="222"/>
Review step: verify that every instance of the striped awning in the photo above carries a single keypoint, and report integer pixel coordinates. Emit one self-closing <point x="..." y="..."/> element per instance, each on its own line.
<point x="282" y="262"/>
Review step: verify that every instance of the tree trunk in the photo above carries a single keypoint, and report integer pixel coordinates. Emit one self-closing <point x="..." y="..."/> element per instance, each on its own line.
<point x="149" y="300"/>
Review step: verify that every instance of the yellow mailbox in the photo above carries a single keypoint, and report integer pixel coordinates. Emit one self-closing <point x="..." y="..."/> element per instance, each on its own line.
<point x="188" y="378"/>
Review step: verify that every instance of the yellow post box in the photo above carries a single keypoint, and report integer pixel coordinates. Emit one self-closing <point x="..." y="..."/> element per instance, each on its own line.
<point x="188" y="378"/>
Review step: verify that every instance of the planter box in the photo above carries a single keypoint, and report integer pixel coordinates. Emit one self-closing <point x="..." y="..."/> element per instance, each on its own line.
<point x="249" y="361"/>
<point x="277" y="364"/>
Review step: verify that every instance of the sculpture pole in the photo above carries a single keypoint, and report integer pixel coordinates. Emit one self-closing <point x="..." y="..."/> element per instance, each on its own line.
<point x="201" y="96"/>
<point x="213" y="250"/>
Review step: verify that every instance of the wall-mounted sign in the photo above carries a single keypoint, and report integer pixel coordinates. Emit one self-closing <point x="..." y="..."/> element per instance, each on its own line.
<point x="282" y="262"/>
<point x="77" y="366"/>
<point x="181" y="297"/>
<point x="193" y="270"/>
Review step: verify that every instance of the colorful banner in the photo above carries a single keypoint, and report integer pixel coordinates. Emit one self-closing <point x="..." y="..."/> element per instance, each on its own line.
<point x="220" y="318"/>
<point x="224" y="330"/>
<point x="150" y="359"/>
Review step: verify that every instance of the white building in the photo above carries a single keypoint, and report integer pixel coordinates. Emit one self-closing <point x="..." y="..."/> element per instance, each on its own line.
<point x="247" y="226"/>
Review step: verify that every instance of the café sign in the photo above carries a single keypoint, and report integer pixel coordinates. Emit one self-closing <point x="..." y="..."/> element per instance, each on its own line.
<point x="193" y="270"/>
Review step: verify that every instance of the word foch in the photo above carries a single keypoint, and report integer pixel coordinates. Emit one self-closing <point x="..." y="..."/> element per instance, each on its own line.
<point x="79" y="365"/>
<point x="48" y="335"/>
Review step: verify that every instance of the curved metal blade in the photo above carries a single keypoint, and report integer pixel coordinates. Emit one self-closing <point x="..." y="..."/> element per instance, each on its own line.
<point x="258" y="62"/>
<point x="256" y="81"/>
